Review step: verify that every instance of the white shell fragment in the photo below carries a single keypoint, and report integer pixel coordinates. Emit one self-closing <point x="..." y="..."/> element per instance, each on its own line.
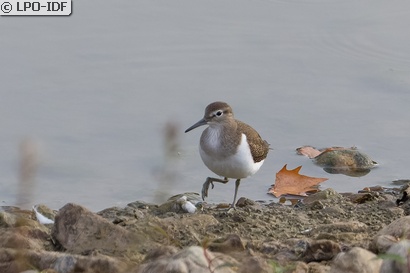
<point x="180" y="203"/>
<point x="306" y="231"/>
<point x="186" y="205"/>
<point x="41" y="218"/>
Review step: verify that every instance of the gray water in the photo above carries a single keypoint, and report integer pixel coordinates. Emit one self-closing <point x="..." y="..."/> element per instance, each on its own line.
<point x="92" y="93"/>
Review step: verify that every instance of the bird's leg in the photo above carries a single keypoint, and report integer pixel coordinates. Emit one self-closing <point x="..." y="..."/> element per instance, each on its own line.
<point x="237" y="183"/>
<point x="210" y="181"/>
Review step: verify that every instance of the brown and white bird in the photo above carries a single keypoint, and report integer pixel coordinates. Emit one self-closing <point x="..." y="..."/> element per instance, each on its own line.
<point x="229" y="147"/>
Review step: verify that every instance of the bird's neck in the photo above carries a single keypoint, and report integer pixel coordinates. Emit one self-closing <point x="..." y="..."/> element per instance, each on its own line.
<point x="218" y="138"/>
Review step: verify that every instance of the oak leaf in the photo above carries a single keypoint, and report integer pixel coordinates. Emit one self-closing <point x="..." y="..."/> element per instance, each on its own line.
<point x="291" y="182"/>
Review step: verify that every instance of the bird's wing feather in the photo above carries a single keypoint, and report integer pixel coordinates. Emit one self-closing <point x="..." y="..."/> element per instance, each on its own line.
<point x="259" y="147"/>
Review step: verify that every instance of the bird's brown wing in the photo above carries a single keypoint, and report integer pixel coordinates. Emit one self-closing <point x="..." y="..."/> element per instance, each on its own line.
<point x="259" y="147"/>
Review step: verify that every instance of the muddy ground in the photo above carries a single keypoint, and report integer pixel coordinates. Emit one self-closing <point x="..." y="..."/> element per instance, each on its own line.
<point x="305" y="236"/>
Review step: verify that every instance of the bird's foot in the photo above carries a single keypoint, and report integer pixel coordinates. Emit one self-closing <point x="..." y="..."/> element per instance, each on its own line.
<point x="210" y="181"/>
<point x="205" y="188"/>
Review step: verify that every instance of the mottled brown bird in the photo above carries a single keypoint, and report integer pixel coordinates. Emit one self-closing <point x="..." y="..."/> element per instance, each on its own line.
<point x="229" y="147"/>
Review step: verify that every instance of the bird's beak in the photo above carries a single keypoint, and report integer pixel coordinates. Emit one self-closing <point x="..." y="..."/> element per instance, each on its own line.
<point x="199" y="123"/>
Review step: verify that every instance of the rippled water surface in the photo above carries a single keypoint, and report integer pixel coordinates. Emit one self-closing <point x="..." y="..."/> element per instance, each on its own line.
<point x="89" y="95"/>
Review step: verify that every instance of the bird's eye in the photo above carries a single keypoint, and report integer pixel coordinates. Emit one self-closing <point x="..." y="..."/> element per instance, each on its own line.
<point x="218" y="113"/>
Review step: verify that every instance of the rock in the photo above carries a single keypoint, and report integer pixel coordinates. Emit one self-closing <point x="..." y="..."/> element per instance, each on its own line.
<point x="301" y="267"/>
<point x="333" y="211"/>
<point x="288" y="250"/>
<point x="255" y="265"/>
<point x="396" y="229"/>
<point x="350" y="162"/>
<point x="244" y="202"/>
<point x="321" y="250"/>
<point x="142" y="205"/>
<point x="192" y="259"/>
<point x="24" y="238"/>
<point x="18" y="230"/>
<point x="7" y="219"/>
<point x="406" y="208"/>
<point x="65" y="264"/>
<point x="317" y="268"/>
<point x="287" y="237"/>
<point x="122" y="216"/>
<point x="400" y="182"/>
<point x="397" y="258"/>
<point x="403" y="201"/>
<point x="285" y="256"/>
<point x="340" y="231"/>
<point x="269" y="248"/>
<point x="226" y="245"/>
<point x="180" y="203"/>
<point x="327" y="194"/>
<point x="13" y="261"/>
<point x="163" y="251"/>
<point x="356" y="260"/>
<point x="384" y="242"/>
<point x="78" y="230"/>
<point x="361" y="198"/>
<point x="223" y="206"/>
<point x="18" y="218"/>
<point x="404" y="194"/>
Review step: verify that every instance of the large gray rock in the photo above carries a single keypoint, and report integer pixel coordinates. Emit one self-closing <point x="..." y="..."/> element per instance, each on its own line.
<point x="80" y="231"/>
<point x="397" y="258"/>
<point x="387" y="237"/>
<point x="14" y="261"/>
<point x="18" y="230"/>
<point x="356" y="260"/>
<point x="24" y="238"/>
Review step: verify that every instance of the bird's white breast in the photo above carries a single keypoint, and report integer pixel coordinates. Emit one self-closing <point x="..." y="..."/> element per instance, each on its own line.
<point x="238" y="165"/>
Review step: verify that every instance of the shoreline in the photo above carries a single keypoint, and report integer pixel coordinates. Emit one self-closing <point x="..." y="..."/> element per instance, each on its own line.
<point x="140" y="237"/>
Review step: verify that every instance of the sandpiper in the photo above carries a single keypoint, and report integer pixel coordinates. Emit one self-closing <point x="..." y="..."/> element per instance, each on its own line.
<point x="228" y="147"/>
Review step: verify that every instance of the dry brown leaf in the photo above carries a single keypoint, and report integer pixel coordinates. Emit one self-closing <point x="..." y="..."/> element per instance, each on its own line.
<point x="308" y="151"/>
<point x="291" y="182"/>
